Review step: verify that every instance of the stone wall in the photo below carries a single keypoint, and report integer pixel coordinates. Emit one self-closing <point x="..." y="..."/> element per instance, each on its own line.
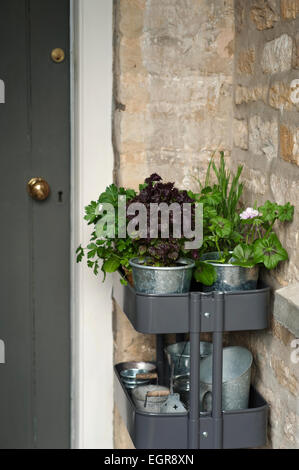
<point x="173" y="86"/>
<point x="266" y="131"/>
<point x="173" y="68"/>
<point x="180" y="93"/>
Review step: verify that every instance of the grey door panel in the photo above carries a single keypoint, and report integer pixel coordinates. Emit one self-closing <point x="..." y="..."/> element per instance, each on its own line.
<point x="34" y="236"/>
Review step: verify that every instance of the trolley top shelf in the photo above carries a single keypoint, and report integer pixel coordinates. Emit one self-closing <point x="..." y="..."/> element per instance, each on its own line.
<point x="161" y="314"/>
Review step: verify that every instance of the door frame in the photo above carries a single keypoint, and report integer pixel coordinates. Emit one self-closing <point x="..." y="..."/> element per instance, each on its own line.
<point x="91" y="171"/>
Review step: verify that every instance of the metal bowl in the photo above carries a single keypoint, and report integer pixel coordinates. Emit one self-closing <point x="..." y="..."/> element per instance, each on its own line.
<point x="131" y="369"/>
<point x="147" y="366"/>
<point x="131" y="386"/>
<point x="129" y="375"/>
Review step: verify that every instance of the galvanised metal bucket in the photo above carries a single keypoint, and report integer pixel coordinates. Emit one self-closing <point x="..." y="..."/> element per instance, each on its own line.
<point x="164" y="280"/>
<point x="231" y="277"/>
<point x="178" y="356"/>
<point x="237" y="362"/>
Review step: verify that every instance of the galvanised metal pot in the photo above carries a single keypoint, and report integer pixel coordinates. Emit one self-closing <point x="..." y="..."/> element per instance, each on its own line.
<point x="237" y="362"/>
<point x="164" y="280"/>
<point x="231" y="277"/>
<point x="178" y="356"/>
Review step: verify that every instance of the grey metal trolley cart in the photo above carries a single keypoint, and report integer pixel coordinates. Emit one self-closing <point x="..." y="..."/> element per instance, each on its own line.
<point x="194" y="313"/>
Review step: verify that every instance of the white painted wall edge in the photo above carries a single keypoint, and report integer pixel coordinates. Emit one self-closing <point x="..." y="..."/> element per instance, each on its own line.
<point x="92" y="168"/>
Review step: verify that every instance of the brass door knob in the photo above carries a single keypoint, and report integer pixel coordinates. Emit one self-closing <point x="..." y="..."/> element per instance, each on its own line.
<point x="58" y="55"/>
<point x="38" y="189"/>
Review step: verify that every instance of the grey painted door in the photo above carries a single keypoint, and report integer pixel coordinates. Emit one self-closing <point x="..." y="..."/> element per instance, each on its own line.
<point x="34" y="236"/>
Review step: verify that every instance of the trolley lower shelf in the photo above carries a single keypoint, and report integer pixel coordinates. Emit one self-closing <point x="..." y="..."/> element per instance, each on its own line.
<point x="241" y="429"/>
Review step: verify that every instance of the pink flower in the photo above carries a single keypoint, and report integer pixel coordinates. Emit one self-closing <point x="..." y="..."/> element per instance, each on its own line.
<point x="249" y="213"/>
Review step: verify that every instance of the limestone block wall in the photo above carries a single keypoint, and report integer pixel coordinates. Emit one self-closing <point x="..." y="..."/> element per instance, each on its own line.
<point x="194" y="76"/>
<point x="266" y="109"/>
<point x="266" y="127"/>
<point x="173" y="70"/>
<point x="173" y="86"/>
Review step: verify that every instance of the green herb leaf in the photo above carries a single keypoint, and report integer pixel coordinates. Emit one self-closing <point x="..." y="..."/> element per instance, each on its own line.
<point x="92" y="246"/>
<point x="205" y="273"/>
<point x="269" y="251"/>
<point x="209" y="212"/>
<point x="90" y="212"/>
<point x="269" y="211"/>
<point x="80" y="254"/>
<point x="110" y="196"/>
<point x="222" y="227"/>
<point x="130" y="193"/>
<point x="91" y="254"/>
<point x="96" y="268"/>
<point x="111" y="265"/>
<point x="243" y="255"/>
<point x="286" y="212"/>
<point x="211" y="198"/>
<point x="192" y="195"/>
<point x="236" y="237"/>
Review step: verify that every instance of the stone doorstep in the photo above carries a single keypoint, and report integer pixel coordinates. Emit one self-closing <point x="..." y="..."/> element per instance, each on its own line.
<point x="286" y="307"/>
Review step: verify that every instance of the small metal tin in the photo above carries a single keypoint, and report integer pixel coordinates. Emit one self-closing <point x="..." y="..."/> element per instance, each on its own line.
<point x="147" y="403"/>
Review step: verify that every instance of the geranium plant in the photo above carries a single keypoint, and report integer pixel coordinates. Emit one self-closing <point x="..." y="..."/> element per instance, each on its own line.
<point x="241" y="237"/>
